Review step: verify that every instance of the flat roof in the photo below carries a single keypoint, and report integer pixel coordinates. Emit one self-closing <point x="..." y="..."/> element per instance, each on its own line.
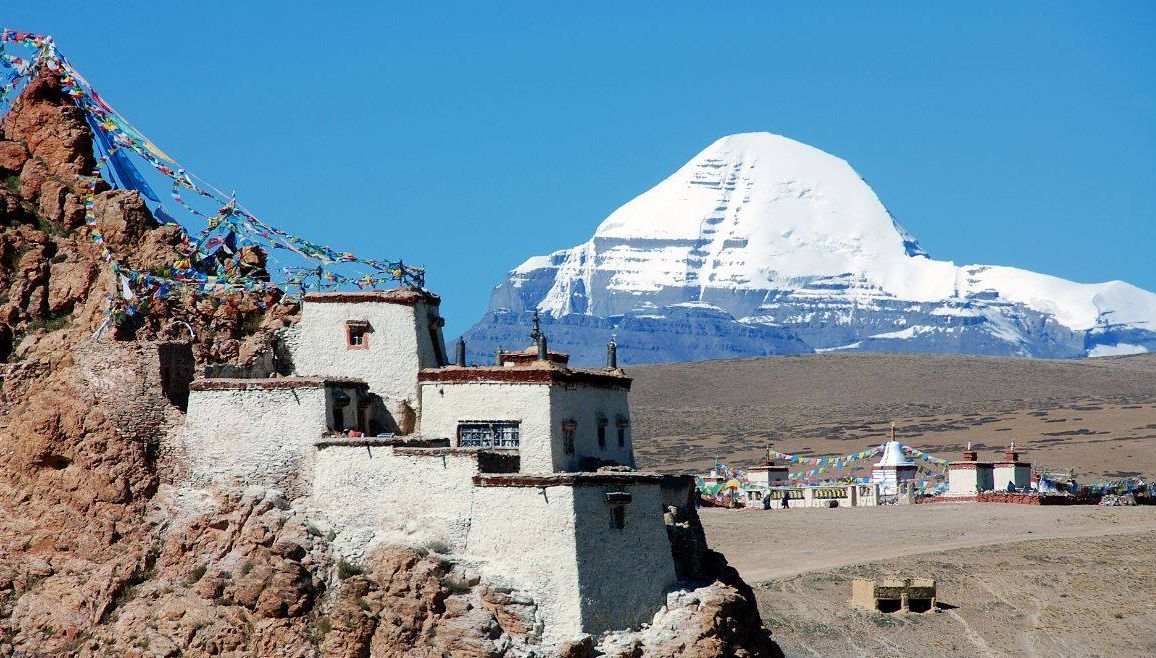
<point x="536" y="374"/>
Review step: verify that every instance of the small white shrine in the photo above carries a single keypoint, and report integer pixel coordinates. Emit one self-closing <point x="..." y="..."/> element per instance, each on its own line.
<point x="894" y="469"/>
<point x="969" y="477"/>
<point x="1011" y="473"/>
<point x="769" y="474"/>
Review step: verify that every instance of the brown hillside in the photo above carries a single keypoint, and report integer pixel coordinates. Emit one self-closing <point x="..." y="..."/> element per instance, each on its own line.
<point x="104" y="552"/>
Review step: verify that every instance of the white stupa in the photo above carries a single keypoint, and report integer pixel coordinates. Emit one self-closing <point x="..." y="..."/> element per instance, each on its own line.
<point x="894" y="468"/>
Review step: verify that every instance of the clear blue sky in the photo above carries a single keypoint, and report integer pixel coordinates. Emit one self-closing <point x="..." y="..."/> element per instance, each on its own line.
<point x="467" y="137"/>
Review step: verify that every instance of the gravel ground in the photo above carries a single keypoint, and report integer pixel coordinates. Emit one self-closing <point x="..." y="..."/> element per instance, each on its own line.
<point x="1014" y="580"/>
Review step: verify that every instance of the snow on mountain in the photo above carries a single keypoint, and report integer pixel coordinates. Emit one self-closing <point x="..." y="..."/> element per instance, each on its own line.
<point x="762" y="233"/>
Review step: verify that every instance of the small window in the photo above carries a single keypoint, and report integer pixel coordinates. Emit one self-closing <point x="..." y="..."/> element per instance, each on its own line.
<point x="569" y="429"/>
<point x="357" y="335"/>
<point x="602" y="433"/>
<point x="617" y="517"/>
<point x="617" y="502"/>
<point x="622" y="424"/>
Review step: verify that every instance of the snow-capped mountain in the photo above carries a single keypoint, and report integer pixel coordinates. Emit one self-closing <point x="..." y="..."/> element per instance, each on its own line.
<point x="763" y="245"/>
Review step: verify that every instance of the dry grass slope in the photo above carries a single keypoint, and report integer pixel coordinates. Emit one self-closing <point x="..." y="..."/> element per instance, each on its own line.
<point x="1095" y="415"/>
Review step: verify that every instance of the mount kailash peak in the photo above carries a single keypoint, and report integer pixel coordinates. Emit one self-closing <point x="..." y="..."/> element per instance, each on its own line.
<point x="762" y="245"/>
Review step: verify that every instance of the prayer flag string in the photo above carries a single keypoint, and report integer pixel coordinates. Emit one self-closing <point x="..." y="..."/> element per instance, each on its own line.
<point x="229" y="254"/>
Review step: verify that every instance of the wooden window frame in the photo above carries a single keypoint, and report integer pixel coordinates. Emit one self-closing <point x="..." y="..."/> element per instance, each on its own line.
<point x="617" y="502"/>
<point x="361" y="331"/>
<point x="622" y="425"/>
<point x="569" y="436"/>
<point x="502" y="433"/>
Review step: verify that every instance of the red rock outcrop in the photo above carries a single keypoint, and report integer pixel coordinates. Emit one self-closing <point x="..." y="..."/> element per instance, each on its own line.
<point x="99" y="556"/>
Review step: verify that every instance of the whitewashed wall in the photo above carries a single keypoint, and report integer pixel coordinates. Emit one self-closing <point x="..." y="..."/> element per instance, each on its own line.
<point x="444" y="405"/>
<point x="399" y="345"/>
<point x="525" y="537"/>
<point x="585" y="404"/>
<point x="557" y="544"/>
<point x="409" y="498"/>
<point x="258" y="436"/>
<point x="965" y="481"/>
<point x="1021" y="476"/>
<point x="541" y="409"/>
<point x="889" y="479"/>
<point x="623" y="574"/>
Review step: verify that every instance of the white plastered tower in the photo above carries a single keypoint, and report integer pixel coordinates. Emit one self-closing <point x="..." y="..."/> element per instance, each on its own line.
<point x="381" y="337"/>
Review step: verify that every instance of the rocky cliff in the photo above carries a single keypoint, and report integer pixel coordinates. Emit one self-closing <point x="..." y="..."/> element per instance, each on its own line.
<point x="102" y="553"/>
<point x="761" y="245"/>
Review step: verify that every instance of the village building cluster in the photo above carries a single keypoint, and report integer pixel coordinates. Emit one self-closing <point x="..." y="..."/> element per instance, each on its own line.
<point x="894" y="479"/>
<point x="769" y="485"/>
<point x="524" y="467"/>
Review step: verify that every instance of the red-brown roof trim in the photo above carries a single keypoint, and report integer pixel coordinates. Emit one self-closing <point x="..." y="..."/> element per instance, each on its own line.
<point x="439" y="451"/>
<point x="529" y="356"/>
<point x="346" y="441"/>
<point x="564" y="479"/>
<point x="408" y="296"/>
<point x="514" y="375"/>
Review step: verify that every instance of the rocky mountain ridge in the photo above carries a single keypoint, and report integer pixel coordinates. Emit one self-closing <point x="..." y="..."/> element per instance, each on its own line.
<point x="104" y="552"/>
<point x="761" y="245"/>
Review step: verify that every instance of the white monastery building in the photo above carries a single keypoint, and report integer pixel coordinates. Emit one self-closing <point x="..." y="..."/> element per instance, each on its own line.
<point x="769" y="474"/>
<point x="524" y="467"/>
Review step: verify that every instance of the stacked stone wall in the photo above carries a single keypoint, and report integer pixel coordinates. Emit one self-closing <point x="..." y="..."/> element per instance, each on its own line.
<point x="136" y="377"/>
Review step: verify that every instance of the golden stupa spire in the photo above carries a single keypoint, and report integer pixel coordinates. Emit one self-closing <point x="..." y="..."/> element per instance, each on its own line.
<point x="892" y="430"/>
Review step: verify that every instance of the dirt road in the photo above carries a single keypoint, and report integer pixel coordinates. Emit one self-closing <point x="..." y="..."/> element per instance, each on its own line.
<point x="765" y="544"/>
